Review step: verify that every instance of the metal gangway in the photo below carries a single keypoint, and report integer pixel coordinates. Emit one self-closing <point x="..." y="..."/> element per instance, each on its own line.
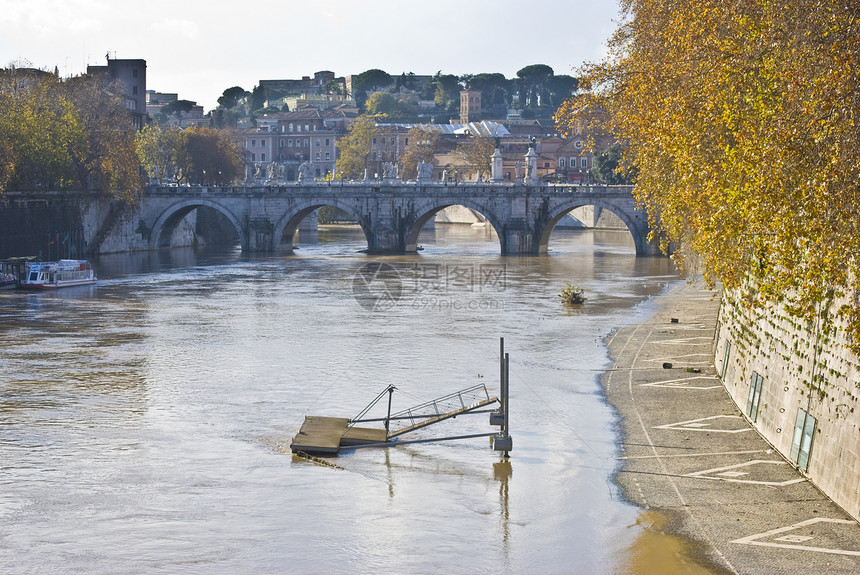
<point x="464" y="401"/>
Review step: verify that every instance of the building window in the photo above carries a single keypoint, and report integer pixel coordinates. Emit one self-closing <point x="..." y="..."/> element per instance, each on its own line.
<point x="280" y="143"/>
<point x="134" y="90"/>
<point x="374" y="141"/>
<point x="327" y="142"/>
<point x="291" y="126"/>
<point x="253" y="157"/>
<point x="289" y="143"/>
<point x="307" y="142"/>
<point x="307" y="128"/>
<point x="253" y="143"/>
<point x="406" y="142"/>
<point x="318" y="156"/>
<point x="318" y="142"/>
<point x="328" y="156"/>
<point x="262" y="157"/>
<point x="754" y="396"/>
<point x="801" y="442"/>
<point x="583" y="162"/>
<point x="726" y="353"/>
<point x="298" y="127"/>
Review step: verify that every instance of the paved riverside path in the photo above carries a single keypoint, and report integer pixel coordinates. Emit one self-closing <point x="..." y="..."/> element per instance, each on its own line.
<point x="691" y="456"/>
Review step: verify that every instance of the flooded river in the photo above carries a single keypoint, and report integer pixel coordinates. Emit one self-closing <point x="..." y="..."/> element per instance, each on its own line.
<point x="145" y="422"/>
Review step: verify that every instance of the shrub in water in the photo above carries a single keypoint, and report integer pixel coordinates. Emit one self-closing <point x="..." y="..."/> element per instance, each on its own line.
<point x="572" y="294"/>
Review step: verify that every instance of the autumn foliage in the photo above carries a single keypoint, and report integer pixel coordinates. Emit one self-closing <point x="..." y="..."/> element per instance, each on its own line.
<point x="742" y="120"/>
<point x="65" y="134"/>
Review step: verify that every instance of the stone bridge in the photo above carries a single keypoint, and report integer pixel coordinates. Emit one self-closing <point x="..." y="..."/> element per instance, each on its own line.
<point x="391" y="214"/>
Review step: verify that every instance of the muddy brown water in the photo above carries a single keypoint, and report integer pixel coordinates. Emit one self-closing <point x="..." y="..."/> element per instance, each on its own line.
<point x="145" y="422"/>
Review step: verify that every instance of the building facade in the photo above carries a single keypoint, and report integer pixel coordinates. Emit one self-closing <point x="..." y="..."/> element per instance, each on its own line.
<point x="132" y="75"/>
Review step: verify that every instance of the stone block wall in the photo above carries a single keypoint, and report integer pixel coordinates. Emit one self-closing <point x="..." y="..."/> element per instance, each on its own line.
<point x="55" y="225"/>
<point x="793" y="379"/>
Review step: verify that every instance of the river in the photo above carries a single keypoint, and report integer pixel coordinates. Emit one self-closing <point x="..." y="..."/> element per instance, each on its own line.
<point x="145" y="422"/>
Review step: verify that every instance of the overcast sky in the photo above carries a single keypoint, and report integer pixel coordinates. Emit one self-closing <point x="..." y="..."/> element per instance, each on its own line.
<point x="199" y="48"/>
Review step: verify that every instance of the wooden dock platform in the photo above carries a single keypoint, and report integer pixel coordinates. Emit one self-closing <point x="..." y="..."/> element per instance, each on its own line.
<point x="326" y="435"/>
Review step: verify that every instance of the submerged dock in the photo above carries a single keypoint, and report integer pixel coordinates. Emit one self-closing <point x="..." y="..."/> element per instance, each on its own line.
<point x="321" y="435"/>
<point x="326" y="435"/>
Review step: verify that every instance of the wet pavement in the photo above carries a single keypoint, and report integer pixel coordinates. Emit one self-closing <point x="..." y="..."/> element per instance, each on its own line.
<point x="694" y="464"/>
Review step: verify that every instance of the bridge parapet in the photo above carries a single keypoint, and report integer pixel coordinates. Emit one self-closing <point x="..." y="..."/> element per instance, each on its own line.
<point x="391" y="214"/>
<point x="375" y="187"/>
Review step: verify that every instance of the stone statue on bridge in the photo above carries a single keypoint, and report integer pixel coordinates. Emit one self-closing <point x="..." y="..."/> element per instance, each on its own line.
<point x="306" y="172"/>
<point x="389" y="171"/>
<point x="425" y="172"/>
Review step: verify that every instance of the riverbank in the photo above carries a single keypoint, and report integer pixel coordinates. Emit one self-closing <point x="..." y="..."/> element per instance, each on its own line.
<point x="689" y="454"/>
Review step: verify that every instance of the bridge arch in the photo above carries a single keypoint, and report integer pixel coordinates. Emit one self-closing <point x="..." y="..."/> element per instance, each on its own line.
<point x="425" y="210"/>
<point x="287" y="225"/>
<point x="166" y="222"/>
<point x="635" y="220"/>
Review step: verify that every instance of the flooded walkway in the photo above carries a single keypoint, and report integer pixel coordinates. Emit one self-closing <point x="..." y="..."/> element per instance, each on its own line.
<point x="717" y="497"/>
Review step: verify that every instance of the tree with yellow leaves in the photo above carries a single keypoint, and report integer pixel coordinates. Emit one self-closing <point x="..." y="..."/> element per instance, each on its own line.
<point x="421" y="147"/>
<point x="354" y="149"/>
<point x="65" y="135"/>
<point x="742" y="120"/>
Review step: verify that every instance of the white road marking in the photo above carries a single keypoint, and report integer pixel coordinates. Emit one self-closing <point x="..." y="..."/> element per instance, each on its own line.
<point x="730" y="473"/>
<point x="685" y="383"/>
<point x="784" y="544"/>
<point x="699" y="425"/>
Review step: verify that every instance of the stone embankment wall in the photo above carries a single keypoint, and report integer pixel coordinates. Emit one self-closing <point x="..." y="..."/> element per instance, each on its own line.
<point x="74" y="224"/>
<point x="800" y="387"/>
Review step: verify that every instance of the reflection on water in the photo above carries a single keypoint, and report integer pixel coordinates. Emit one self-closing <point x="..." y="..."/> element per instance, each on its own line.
<point x="146" y="421"/>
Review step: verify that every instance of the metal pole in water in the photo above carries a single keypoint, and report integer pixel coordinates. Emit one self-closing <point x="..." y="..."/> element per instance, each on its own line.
<point x="388" y="417"/>
<point x="502" y="441"/>
<point x="506" y="393"/>
<point x="501" y="365"/>
<point x="497" y="417"/>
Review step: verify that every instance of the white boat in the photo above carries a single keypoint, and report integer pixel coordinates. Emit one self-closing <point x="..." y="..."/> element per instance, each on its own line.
<point x="64" y="273"/>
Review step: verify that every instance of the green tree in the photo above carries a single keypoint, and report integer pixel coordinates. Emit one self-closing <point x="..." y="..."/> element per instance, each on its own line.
<point x="495" y="88"/>
<point x="406" y="81"/>
<point x="177" y="108"/>
<point x="369" y="81"/>
<point x="382" y="106"/>
<point x="608" y="168"/>
<point x="447" y="94"/>
<point x="742" y="120"/>
<point x="533" y="82"/>
<point x="560" y="87"/>
<point x="354" y="149"/>
<point x="257" y="99"/>
<point x="231" y="97"/>
<point x="159" y="149"/>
